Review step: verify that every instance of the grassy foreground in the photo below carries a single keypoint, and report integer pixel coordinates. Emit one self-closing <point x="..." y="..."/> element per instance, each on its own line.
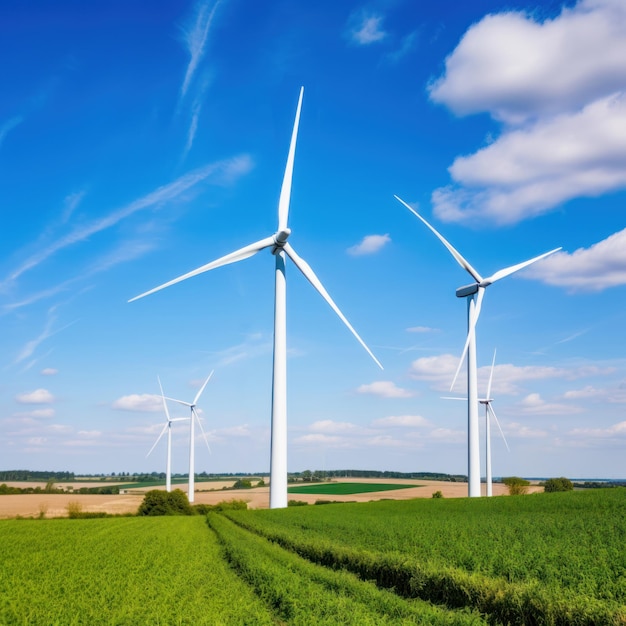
<point x="540" y="559"/>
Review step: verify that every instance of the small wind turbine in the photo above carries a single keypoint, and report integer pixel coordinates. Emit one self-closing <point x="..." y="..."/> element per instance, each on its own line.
<point x="168" y="428"/>
<point x="488" y="409"/>
<point x="474" y="294"/>
<point x="490" y="412"/>
<point x="192" y="435"/>
<point x="279" y="247"/>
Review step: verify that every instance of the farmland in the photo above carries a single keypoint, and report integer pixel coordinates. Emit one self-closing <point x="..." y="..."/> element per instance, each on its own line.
<point x="344" y="489"/>
<point x="540" y="559"/>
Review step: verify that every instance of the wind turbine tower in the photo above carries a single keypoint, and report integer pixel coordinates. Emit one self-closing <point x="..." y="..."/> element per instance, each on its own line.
<point x="280" y="248"/>
<point x="475" y="292"/>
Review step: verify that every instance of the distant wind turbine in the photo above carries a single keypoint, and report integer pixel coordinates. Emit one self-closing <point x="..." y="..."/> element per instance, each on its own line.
<point x="168" y="428"/>
<point x="474" y="294"/>
<point x="279" y="247"/>
<point x="489" y="412"/>
<point x="192" y="435"/>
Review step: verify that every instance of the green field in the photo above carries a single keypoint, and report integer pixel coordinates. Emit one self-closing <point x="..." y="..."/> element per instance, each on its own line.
<point x="540" y="559"/>
<point x="346" y="489"/>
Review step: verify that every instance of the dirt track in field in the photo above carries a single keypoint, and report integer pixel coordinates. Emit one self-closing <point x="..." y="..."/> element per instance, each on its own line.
<point x="55" y="505"/>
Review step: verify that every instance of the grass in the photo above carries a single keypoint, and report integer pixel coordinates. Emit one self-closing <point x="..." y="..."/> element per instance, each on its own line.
<point x="347" y="489"/>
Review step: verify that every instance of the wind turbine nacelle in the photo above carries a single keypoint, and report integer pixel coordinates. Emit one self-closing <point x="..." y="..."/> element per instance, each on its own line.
<point x="468" y="290"/>
<point x="281" y="236"/>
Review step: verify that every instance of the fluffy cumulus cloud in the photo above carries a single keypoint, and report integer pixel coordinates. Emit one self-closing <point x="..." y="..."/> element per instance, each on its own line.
<point x="385" y="389"/>
<point x="139" y="402"/>
<point x="534" y="404"/>
<point x="369" y="245"/>
<point x="401" y="421"/>
<point x="366" y="28"/>
<point x="39" y="396"/>
<point x="598" y="267"/>
<point x="559" y="88"/>
<point x="508" y="379"/>
<point x="49" y="371"/>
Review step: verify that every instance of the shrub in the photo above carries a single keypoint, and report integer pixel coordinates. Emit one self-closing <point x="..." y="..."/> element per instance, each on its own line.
<point x="227" y="505"/>
<point x="558" y="484"/>
<point x="297" y="503"/>
<point x="242" y="483"/>
<point x="157" y="502"/>
<point x="74" y="509"/>
<point x="517" y="486"/>
<point x="437" y="494"/>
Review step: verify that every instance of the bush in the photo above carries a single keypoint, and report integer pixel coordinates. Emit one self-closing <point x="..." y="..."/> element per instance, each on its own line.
<point x="558" y="484"/>
<point x="437" y="494"/>
<point x="157" y="502"/>
<point x="227" y="505"/>
<point x="297" y="503"/>
<point x="242" y="483"/>
<point x="517" y="486"/>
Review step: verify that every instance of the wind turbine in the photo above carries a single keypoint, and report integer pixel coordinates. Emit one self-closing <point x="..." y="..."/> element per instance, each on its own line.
<point x="490" y="412"/>
<point x="192" y="435"/>
<point x="280" y="248"/>
<point x="474" y="293"/>
<point x="168" y="428"/>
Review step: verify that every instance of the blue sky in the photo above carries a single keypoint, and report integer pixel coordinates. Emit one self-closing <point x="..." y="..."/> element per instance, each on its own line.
<point x="141" y="140"/>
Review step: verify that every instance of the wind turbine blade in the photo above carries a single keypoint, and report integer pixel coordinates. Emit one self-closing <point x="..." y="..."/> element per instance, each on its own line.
<point x="158" y="439"/>
<point x="460" y="259"/>
<point x="490" y="409"/>
<point x="167" y="413"/>
<point x="507" y="271"/>
<point x="285" y="192"/>
<point x="238" y="255"/>
<point x="202" y="429"/>
<point x="471" y="330"/>
<point x="195" y="400"/>
<point x="453" y="398"/>
<point x="493" y="364"/>
<point x="179" y="401"/>
<point x="309" y="274"/>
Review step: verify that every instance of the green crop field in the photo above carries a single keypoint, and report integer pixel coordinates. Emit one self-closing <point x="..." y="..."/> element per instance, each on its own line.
<point x="343" y="489"/>
<point x="554" y="559"/>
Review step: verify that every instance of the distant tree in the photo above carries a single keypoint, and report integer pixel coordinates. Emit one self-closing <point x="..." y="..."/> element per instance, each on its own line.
<point x="517" y="486"/>
<point x="242" y="483"/>
<point x="306" y="476"/>
<point x="157" y="502"/>
<point x="437" y="494"/>
<point x="558" y="484"/>
<point x="261" y="483"/>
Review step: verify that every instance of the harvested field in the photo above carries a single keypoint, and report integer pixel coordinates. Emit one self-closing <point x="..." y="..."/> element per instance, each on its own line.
<point x="55" y="505"/>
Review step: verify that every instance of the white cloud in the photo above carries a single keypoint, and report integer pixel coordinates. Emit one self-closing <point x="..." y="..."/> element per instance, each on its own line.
<point x="223" y="172"/>
<point x="139" y="402"/>
<point x="522" y="431"/>
<point x="586" y="392"/>
<point x="598" y="267"/>
<point x="329" y="426"/>
<point x="535" y="405"/>
<point x="515" y="67"/>
<point x="319" y="439"/>
<point x="195" y="37"/>
<point x="366" y="28"/>
<point x="39" y="396"/>
<point x="421" y="329"/>
<point x="385" y="389"/>
<point x="531" y="170"/>
<point x="559" y="86"/>
<point x="369" y="245"/>
<point x="49" y="371"/>
<point x="8" y="126"/>
<point x="507" y="378"/>
<point x="401" y="421"/>
<point x="616" y="430"/>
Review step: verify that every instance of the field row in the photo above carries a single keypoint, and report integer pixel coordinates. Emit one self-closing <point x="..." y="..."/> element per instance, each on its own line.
<point x="545" y="559"/>
<point x="301" y="592"/>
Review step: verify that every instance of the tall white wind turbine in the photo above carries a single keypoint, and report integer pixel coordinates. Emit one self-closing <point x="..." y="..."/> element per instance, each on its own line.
<point x="489" y="412"/>
<point x="168" y="428"/>
<point x="474" y="293"/>
<point x="192" y="435"/>
<point x="280" y="248"/>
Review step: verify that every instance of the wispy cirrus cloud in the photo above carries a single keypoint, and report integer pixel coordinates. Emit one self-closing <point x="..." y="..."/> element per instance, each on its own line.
<point x="8" y="126"/>
<point x="195" y="37"/>
<point x="370" y="244"/>
<point x="365" y="28"/>
<point x="223" y="172"/>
